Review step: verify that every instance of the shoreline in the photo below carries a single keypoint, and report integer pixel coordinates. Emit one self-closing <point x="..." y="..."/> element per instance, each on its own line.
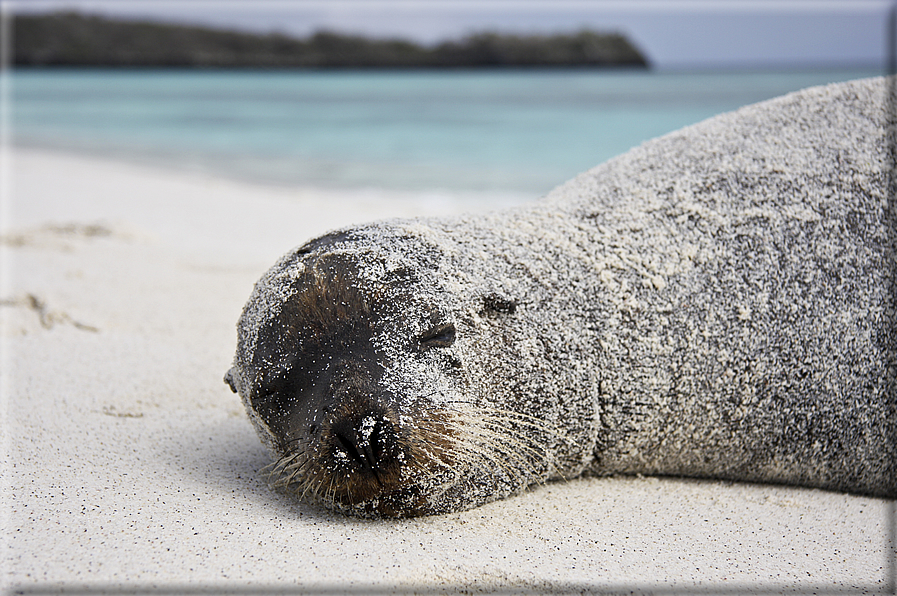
<point x="518" y="134"/>
<point x="131" y="464"/>
<point x="423" y="200"/>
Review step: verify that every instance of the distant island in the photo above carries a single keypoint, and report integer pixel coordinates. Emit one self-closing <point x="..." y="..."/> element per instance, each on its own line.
<point x="73" y="39"/>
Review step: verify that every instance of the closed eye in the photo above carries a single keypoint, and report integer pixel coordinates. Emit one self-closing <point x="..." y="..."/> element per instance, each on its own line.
<point x="271" y="384"/>
<point x="440" y="336"/>
<point x="264" y="398"/>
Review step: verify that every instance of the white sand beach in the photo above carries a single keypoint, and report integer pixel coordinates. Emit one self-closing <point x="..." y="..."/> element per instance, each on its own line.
<point x="130" y="465"/>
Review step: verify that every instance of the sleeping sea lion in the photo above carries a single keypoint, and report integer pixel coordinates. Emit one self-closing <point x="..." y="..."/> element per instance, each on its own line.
<point x="716" y="303"/>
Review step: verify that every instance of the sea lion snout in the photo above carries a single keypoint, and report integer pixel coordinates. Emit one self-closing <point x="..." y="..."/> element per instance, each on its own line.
<point x="362" y="442"/>
<point x="358" y="442"/>
<point x="357" y="427"/>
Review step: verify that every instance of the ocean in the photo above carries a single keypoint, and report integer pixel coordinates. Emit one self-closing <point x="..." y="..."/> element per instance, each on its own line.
<point x="497" y="132"/>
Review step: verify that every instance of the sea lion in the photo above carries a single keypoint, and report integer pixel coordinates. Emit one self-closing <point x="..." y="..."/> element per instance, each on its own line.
<point x="716" y="303"/>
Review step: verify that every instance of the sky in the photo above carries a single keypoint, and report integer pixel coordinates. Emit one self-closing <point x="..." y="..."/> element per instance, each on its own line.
<point x="674" y="34"/>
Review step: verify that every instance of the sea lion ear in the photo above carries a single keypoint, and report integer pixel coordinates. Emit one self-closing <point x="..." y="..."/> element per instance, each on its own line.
<point x="496" y="304"/>
<point x="229" y="379"/>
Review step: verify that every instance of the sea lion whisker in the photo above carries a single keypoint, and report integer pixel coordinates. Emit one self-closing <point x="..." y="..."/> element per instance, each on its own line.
<point x="472" y="427"/>
<point x="487" y="428"/>
<point x="283" y="479"/>
<point x="273" y="467"/>
<point x="432" y="454"/>
<point x="514" y="464"/>
<point x="532" y="422"/>
<point x="510" y="438"/>
<point x="529" y="459"/>
<point x="297" y="468"/>
<point x="503" y="415"/>
<point x="288" y="480"/>
<point x="489" y="450"/>
<point x="331" y="490"/>
<point x="296" y="461"/>
<point x="278" y="467"/>
<point x="310" y="484"/>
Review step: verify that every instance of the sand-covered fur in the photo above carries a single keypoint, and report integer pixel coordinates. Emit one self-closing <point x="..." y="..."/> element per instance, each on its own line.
<point x="718" y="303"/>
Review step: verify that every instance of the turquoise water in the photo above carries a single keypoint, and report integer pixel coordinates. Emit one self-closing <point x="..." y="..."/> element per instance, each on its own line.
<point x="507" y="131"/>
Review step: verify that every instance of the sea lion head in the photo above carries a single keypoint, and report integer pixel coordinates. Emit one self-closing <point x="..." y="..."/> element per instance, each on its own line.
<point x="351" y="363"/>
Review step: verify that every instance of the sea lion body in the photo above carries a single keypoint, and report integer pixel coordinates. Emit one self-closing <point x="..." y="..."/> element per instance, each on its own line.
<point x="717" y="303"/>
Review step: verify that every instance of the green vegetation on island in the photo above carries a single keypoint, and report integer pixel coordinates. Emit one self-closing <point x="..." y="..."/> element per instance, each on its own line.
<point x="72" y="39"/>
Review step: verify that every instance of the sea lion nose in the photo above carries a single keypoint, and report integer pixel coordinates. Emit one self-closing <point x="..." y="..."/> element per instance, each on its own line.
<point x="363" y="441"/>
